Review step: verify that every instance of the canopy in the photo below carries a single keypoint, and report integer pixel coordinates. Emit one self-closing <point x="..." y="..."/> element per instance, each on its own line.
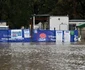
<point x="81" y="25"/>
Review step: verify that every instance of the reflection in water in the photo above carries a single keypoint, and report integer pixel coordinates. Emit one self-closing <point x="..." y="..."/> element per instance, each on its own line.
<point x="43" y="56"/>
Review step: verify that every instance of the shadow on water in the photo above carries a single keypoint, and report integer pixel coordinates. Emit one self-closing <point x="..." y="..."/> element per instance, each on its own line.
<point x="42" y="56"/>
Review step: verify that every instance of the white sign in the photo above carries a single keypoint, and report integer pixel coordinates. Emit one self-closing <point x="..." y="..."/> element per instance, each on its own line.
<point x="16" y="34"/>
<point x="26" y="33"/>
<point x="59" y="35"/>
<point x="66" y="36"/>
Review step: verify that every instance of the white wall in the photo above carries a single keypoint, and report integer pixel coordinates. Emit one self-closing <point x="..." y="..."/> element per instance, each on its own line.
<point x="57" y="22"/>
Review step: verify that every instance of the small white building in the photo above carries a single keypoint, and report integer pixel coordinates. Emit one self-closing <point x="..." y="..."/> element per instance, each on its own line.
<point x="59" y="22"/>
<point x="3" y="25"/>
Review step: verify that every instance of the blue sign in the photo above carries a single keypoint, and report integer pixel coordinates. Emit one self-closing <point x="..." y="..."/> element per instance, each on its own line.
<point x="44" y="36"/>
<point x="3" y="35"/>
<point x="18" y="35"/>
<point x="74" y="36"/>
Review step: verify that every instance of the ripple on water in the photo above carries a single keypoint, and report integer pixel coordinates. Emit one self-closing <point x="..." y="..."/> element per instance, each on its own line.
<point x="26" y="56"/>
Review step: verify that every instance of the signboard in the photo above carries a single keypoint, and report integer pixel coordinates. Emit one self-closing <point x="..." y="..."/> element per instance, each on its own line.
<point x="66" y="36"/>
<point x="26" y="33"/>
<point x="16" y="34"/>
<point x="59" y="36"/>
<point x="3" y="35"/>
<point x="42" y="37"/>
<point x="38" y="36"/>
<point x="75" y="35"/>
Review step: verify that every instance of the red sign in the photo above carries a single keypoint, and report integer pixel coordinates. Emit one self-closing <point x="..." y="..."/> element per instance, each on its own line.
<point x="42" y="35"/>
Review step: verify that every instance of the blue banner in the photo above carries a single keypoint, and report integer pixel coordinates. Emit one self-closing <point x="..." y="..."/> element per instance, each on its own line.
<point x="44" y="36"/>
<point x="3" y="35"/>
<point x="74" y="35"/>
<point x="18" y="35"/>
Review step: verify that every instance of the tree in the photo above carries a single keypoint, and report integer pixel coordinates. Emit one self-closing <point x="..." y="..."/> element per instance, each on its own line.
<point x="17" y="12"/>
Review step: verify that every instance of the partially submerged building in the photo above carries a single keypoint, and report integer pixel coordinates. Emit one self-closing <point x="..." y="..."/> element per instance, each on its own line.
<point x="50" y="22"/>
<point x="3" y="25"/>
<point x="59" y="22"/>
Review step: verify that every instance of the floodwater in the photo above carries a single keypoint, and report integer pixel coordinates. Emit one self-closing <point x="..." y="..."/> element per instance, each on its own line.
<point x="42" y="56"/>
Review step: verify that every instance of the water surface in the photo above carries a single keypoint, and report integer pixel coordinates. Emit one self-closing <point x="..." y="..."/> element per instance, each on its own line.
<point x="42" y="56"/>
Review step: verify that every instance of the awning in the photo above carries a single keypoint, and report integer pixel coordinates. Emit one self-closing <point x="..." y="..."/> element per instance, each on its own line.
<point x="82" y="25"/>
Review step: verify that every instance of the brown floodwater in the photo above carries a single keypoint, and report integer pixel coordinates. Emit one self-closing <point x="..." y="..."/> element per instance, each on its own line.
<point x="42" y="56"/>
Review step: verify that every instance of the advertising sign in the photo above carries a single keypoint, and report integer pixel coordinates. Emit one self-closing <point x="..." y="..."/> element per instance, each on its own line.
<point x="59" y="36"/>
<point x="3" y="35"/>
<point x="16" y="34"/>
<point x="66" y="36"/>
<point x="26" y="33"/>
<point x="42" y="37"/>
<point x="75" y="35"/>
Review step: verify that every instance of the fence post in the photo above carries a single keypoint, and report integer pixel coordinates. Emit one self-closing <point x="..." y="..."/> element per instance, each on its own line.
<point x="54" y="33"/>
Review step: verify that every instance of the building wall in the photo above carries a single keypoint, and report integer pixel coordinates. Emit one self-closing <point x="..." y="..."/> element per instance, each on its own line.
<point x="2" y="23"/>
<point x="59" y="22"/>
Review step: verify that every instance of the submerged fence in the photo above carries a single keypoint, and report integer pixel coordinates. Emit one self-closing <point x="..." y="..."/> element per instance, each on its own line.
<point x="18" y="35"/>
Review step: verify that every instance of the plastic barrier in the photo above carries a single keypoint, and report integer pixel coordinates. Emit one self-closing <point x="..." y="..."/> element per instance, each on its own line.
<point x="44" y="36"/>
<point x="4" y="35"/>
<point x="59" y="36"/>
<point x="74" y="36"/>
<point x="67" y="36"/>
<point x="18" y="35"/>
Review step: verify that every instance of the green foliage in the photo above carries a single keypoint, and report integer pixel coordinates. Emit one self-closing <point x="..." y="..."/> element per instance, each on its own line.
<point x="17" y="12"/>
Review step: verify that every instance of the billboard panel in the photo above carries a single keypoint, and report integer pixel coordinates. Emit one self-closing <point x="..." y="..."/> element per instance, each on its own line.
<point x="59" y="36"/>
<point x="66" y="36"/>
<point x="16" y="34"/>
<point x="26" y="33"/>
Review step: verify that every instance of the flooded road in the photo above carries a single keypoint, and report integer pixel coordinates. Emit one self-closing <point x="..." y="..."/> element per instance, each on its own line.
<point x="35" y="56"/>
